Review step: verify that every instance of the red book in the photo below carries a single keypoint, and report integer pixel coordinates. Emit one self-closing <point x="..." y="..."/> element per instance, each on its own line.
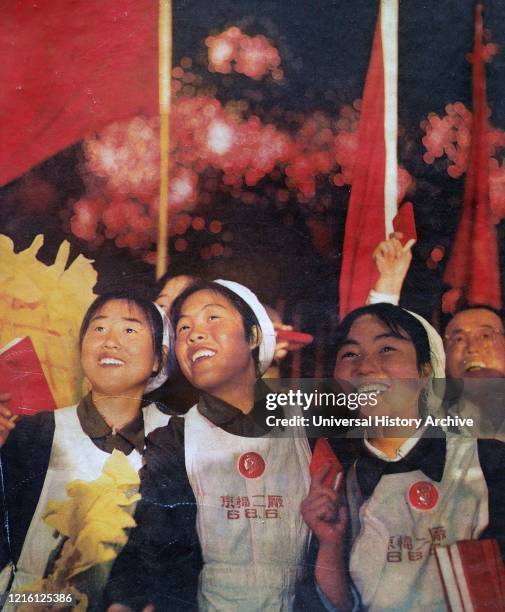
<point x="323" y="455"/>
<point x="473" y="575"/>
<point x="296" y="339"/>
<point x="22" y="376"/>
<point x="405" y="222"/>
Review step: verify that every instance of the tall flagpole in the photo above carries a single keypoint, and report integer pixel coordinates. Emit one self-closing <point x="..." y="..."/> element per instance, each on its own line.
<point x="389" y="31"/>
<point x="165" y="68"/>
<point x="373" y="200"/>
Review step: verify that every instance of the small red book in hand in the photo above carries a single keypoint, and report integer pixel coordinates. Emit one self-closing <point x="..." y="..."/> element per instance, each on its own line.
<point x="22" y="376"/>
<point x="323" y="455"/>
<point x="405" y="223"/>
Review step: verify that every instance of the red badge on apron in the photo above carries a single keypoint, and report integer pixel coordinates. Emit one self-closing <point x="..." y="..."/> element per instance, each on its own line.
<point x="251" y="465"/>
<point x="423" y="495"/>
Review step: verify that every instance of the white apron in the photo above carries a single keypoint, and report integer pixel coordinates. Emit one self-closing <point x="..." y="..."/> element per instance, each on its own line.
<point x="253" y="537"/>
<point x="392" y="559"/>
<point x="73" y="456"/>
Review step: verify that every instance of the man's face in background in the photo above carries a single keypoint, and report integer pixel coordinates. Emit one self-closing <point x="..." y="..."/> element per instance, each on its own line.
<point x="475" y="345"/>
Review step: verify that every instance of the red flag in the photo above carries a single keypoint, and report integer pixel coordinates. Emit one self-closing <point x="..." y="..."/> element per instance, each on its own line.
<point x="369" y="217"/>
<point x="69" y="67"/>
<point x="473" y="265"/>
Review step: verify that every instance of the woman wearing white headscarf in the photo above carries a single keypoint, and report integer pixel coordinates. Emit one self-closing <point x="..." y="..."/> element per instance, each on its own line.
<point x="221" y="499"/>
<point x="408" y="490"/>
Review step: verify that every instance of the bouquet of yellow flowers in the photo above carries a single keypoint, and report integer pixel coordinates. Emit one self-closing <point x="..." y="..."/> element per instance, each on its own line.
<point x="92" y="524"/>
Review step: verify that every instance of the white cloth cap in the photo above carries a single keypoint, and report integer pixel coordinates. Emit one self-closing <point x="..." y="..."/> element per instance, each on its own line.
<point x="168" y="341"/>
<point x="437" y="358"/>
<point x="436" y="346"/>
<point x="268" y="337"/>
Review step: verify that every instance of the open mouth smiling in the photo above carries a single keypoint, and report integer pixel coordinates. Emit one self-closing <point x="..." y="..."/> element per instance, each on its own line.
<point x="374" y="388"/>
<point x="471" y="366"/>
<point x="201" y="354"/>
<point x="111" y="361"/>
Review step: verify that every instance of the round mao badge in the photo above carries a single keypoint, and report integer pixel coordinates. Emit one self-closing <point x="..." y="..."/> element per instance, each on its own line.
<point x="423" y="495"/>
<point x="251" y="465"/>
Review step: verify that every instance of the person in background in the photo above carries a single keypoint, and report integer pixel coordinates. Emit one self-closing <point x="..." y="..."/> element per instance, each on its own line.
<point x="475" y="348"/>
<point x="393" y="261"/>
<point x="475" y="343"/>
<point x="176" y="395"/>
<point x="169" y="287"/>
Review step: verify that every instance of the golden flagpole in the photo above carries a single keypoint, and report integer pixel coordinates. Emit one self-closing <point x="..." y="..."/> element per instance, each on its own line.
<point x="164" y="78"/>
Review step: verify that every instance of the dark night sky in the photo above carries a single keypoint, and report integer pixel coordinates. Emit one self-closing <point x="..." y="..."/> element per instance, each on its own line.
<point x="329" y="44"/>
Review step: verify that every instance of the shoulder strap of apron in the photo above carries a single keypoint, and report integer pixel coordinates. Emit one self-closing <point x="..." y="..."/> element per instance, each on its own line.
<point x="354" y="500"/>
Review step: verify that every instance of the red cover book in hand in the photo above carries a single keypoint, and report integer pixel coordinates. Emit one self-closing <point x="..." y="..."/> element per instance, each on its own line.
<point x="323" y="455"/>
<point x="22" y="376"/>
<point x="405" y="222"/>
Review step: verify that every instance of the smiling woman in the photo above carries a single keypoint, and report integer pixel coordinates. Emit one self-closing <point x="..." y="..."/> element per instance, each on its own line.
<point x="120" y="348"/>
<point x="407" y="492"/>
<point x="122" y="342"/>
<point x="217" y="340"/>
<point x="219" y="527"/>
<point x="387" y="353"/>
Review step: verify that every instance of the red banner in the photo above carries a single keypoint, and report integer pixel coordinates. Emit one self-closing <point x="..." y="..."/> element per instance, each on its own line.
<point x="69" y="67"/>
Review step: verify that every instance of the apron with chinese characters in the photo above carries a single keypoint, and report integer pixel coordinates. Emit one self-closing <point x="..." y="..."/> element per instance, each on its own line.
<point x="73" y="456"/>
<point x="248" y="492"/>
<point x="393" y="564"/>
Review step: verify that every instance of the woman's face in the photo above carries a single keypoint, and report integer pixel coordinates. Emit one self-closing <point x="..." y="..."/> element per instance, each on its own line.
<point x="376" y="361"/>
<point x="171" y="290"/>
<point x="117" y="350"/>
<point x="211" y="347"/>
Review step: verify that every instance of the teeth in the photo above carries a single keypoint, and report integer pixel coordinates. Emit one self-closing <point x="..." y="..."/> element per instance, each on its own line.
<point x="111" y="361"/>
<point x="369" y="388"/>
<point x="202" y="353"/>
<point x="474" y="365"/>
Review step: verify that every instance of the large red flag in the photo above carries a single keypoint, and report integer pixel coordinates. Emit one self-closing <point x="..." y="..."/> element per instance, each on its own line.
<point x="372" y="204"/>
<point x="69" y="67"/>
<point x="473" y="265"/>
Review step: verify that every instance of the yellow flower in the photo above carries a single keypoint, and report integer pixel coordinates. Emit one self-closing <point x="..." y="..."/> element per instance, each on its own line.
<point x="91" y="502"/>
<point x="46" y="303"/>
<point x="94" y="519"/>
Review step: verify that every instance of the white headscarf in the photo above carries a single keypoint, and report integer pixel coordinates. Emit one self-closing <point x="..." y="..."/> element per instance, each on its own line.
<point x="168" y="342"/>
<point x="267" y="340"/>
<point x="437" y="360"/>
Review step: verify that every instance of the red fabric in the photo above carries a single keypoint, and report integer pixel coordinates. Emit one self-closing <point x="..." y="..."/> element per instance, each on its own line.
<point x="69" y="67"/>
<point x="473" y="265"/>
<point x="365" y="223"/>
